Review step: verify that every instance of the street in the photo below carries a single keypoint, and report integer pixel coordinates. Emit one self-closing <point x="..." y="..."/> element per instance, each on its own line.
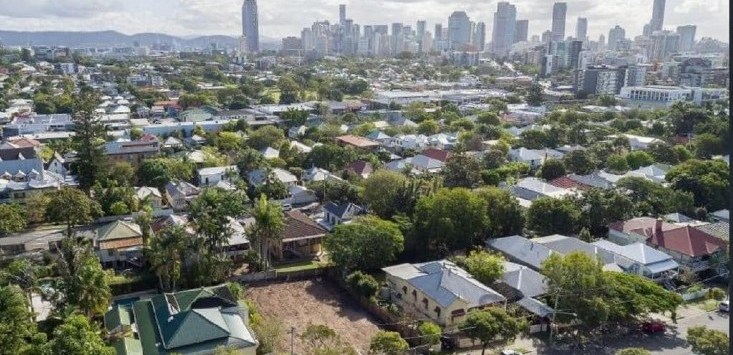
<point x="671" y="343"/>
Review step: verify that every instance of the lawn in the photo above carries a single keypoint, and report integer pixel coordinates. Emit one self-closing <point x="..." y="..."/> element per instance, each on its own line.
<point x="300" y="266"/>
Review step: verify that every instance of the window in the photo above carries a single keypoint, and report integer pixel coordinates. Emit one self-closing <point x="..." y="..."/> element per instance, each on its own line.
<point x="425" y="303"/>
<point x="437" y="311"/>
<point x="414" y="295"/>
<point x="110" y="252"/>
<point x="404" y="289"/>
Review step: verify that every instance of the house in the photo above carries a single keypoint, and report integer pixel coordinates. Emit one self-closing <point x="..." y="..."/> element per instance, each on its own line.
<point x="119" y="243"/>
<point x="405" y="142"/>
<point x="440" y="291"/>
<point x="593" y="180"/>
<point x="179" y="194"/>
<point x="720" y="230"/>
<point x="300" y="147"/>
<point x="301" y="195"/>
<point x="654" y="172"/>
<point x="357" y="142"/>
<point x="527" y="156"/>
<point x="270" y="153"/>
<point x="334" y="214"/>
<point x="238" y="244"/>
<point x="520" y="250"/>
<point x="297" y="132"/>
<point x="195" y="141"/>
<point x="212" y="176"/>
<point x="437" y="154"/>
<point x="641" y="259"/>
<point x="638" y="142"/>
<point x="301" y="238"/>
<point x="151" y="195"/>
<point x="317" y="174"/>
<point x="565" y="245"/>
<point x="172" y="143"/>
<point x="693" y="249"/>
<point x="196" y="321"/>
<point x="132" y="152"/>
<point x="531" y="188"/>
<point x="720" y="216"/>
<point x="260" y="176"/>
<point x="20" y="163"/>
<point x="379" y="136"/>
<point x="60" y="165"/>
<point x="425" y="164"/>
<point x="360" y="168"/>
<point x="523" y="286"/>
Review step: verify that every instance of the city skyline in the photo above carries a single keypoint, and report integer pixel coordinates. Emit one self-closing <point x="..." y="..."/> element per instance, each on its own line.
<point x="205" y="17"/>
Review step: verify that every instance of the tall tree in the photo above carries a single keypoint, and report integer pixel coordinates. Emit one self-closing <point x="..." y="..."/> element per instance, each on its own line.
<point x="462" y="171"/>
<point x="211" y="212"/>
<point x="708" y="341"/>
<point x="12" y="219"/>
<point x="166" y="256"/>
<point x="484" y="266"/>
<point x="489" y="324"/>
<point x="387" y="343"/>
<point x="319" y="339"/>
<point x="80" y="337"/>
<point x="381" y="190"/>
<point x="268" y="226"/>
<point x="505" y="216"/>
<point x="71" y="207"/>
<point x="89" y="139"/>
<point x="534" y="95"/>
<point x="552" y="169"/>
<point x="368" y="243"/>
<point x="24" y="274"/>
<point x="548" y="215"/>
<point x="82" y="283"/>
<point x="18" y="333"/>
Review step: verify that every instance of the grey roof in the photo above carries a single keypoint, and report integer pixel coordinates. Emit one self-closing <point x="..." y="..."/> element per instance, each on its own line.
<point x="566" y="245"/>
<point x="638" y="252"/>
<point x="718" y="230"/>
<point x="343" y="211"/>
<point x="523" y="279"/>
<point x="445" y="283"/>
<point x="592" y="180"/>
<point x="423" y="162"/>
<point x="535" y="307"/>
<point x="521" y="250"/>
<point x="525" y="154"/>
<point x="677" y="218"/>
<point x="722" y="215"/>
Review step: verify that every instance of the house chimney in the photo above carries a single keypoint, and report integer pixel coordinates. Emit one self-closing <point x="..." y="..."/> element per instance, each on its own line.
<point x="658" y="227"/>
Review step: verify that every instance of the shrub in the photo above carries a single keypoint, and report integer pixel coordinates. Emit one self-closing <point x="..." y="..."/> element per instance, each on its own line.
<point x="363" y="284"/>
<point x="716" y="293"/>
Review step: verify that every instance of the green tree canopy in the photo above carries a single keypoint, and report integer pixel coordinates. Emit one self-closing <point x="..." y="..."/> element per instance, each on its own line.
<point x="484" y="266"/>
<point x="268" y="136"/>
<point x="462" y="171"/>
<point x="491" y="324"/>
<point x="708" y="341"/>
<point x="580" y="162"/>
<point x="638" y="159"/>
<point x="84" y="209"/>
<point x="80" y="337"/>
<point x="387" y="343"/>
<point x="505" y="216"/>
<point x="548" y="215"/>
<point x="18" y="333"/>
<point x="707" y="180"/>
<point x="368" y="243"/>
<point x="617" y="164"/>
<point x="552" y="169"/>
<point x="319" y="339"/>
<point x="12" y="219"/>
<point x="381" y="191"/>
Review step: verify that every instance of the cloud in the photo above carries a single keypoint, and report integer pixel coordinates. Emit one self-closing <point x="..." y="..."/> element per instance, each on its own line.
<point x="279" y="18"/>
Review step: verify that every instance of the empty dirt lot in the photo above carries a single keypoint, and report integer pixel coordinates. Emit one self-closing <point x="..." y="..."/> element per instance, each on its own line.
<point x="314" y="301"/>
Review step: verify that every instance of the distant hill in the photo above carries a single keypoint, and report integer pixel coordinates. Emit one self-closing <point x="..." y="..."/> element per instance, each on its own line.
<point x="112" y="39"/>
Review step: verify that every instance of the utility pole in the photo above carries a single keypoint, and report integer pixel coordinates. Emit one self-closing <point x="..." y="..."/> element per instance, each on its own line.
<point x="292" y="340"/>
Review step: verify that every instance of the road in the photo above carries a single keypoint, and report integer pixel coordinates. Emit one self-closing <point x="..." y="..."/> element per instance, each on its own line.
<point x="671" y="343"/>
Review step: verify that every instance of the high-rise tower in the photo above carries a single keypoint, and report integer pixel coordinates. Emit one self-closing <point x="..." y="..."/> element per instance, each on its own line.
<point x="559" y="11"/>
<point x="250" y="25"/>
<point x="505" y="22"/>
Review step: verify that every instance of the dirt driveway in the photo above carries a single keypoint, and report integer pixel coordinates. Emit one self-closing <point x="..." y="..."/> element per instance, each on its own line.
<point x="314" y="301"/>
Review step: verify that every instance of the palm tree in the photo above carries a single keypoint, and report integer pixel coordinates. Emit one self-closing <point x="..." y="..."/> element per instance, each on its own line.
<point x="268" y="226"/>
<point x="83" y="283"/>
<point x="165" y="256"/>
<point x="24" y="274"/>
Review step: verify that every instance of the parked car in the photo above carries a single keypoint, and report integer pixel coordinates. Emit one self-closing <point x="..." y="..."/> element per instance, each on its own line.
<point x="653" y="327"/>
<point x="510" y="352"/>
<point x="724" y="306"/>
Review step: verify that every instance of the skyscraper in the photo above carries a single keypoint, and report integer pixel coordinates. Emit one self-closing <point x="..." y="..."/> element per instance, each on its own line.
<point x="250" y="26"/>
<point x="505" y="21"/>
<point x="480" y="36"/>
<point x="581" y="29"/>
<point x="559" y="10"/>
<point x="342" y="14"/>
<point x="438" y="32"/>
<point x="657" y="22"/>
<point x="615" y="35"/>
<point x="397" y="39"/>
<point x="687" y="37"/>
<point x="521" y="31"/>
<point x="459" y="29"/>
<point x="420" y="34"/>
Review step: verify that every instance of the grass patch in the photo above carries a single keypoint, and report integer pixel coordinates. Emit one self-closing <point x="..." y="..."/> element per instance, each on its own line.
<point x="708" y="305"/>
<point x="300" y="266"/>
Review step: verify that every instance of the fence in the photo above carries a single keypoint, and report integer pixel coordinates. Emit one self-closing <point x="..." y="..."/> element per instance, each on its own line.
<point x="274" y="275"/>
<point x="695" y="295"/>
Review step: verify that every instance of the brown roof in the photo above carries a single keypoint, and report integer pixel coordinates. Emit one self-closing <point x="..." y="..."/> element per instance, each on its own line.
<point x="23" y="142"/>
<point x="688" y="241"/>
<point x="567" y="183"/>
<point x="684" y="240"/>
<point x="356" y="141"/>
<point x="360" y="167"/>
<point x="299" y="226"/>
<point x="121" y="243"/>
<point x="436" y="154"/>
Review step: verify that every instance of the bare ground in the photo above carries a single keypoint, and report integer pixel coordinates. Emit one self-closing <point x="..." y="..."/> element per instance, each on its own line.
<point x="314" y="301"/>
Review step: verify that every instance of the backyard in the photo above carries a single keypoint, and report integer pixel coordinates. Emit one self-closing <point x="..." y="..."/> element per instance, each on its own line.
<point x="314" y="301"/>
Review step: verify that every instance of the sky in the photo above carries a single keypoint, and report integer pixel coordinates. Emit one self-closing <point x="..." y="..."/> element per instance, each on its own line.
<point x="280" y="18"/>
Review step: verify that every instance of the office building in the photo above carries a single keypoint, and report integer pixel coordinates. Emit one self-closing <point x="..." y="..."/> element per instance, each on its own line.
<point x="600" y="80"/>
<point x="292" y="45"/>
<point x="615" y="35"/>
<point x="663" y="45"/>
<point x="559" y="11"/>
<point x="657" y="23"/>
<point x="635" y="75"/>
<point x="342" y="14"/>
<point x="657" y="96"/>
<point x="502" y="37"/>
<point x="574" y="53"/>
<point x="250" y="26"/>
<point x="479" y="38"/>
<point x="687" y="37"/>
<point x="581" y="29"/>
<point x="438" y="32"/>
<point x="699" y="71"/>
<point x="546" y="37"/>
<point x="397" y="38"/>
<point x="521" y="31"/>
<point x="459" y="30"/>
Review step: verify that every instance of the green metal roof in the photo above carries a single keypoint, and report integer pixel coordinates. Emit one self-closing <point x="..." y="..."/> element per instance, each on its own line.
<point x="146" y="328"/>
<point x="128" y="346"/>
<point x="117" y="316"/>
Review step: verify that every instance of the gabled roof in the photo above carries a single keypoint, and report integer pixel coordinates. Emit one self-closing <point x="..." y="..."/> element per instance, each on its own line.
<point x="145" y="191"/>
<point x="360" y="167"/>
<point x="638" y="252"/>
<point x="423" y="162"/>
<point x="437" y="154"/>
<point x="118" y="230"/>
<point x="523" y="279"/>
<point x="521" y="250"/>
<point x="299" y="226"/>
<point x="343" y="210"/>
<point x="688" y="241"/>
<point x="356" y="141"/>
<point x="720" y="230"/>
<point x="565" y="245"/>
<point x="565" y="182"/>
<point x="445" y="283"/>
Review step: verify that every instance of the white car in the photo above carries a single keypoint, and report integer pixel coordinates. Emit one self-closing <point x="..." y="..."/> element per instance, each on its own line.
<point x="510" y="352"/>
<point x="724" y="306"/>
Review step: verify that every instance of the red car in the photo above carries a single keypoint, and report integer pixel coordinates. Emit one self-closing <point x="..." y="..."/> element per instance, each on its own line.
<point x="653" y="327"/>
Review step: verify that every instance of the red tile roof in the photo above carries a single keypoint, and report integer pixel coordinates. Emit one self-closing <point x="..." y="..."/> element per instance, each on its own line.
<point x="436" y="154"/>
<point x="684" y="240"/>
<point x="567" y="183"/>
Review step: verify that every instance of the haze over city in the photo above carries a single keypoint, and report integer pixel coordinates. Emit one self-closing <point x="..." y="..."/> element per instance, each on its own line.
<point x="280" y="18"/>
